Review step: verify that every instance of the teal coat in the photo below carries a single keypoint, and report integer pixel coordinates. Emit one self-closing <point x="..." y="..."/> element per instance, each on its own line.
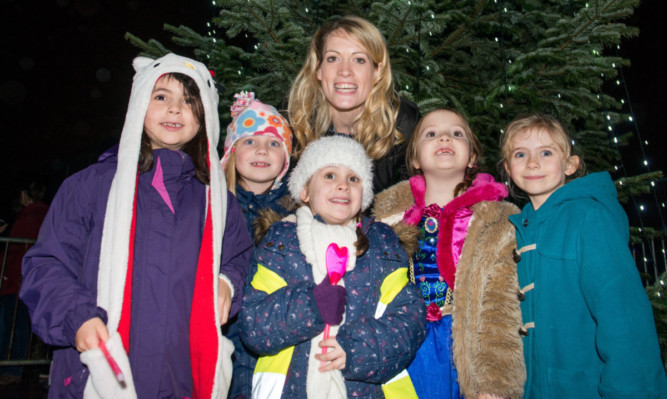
<point x="593" y="334"/>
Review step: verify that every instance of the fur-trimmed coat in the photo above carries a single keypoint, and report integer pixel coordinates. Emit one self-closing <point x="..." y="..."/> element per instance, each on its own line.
<point x="487" y="347"/>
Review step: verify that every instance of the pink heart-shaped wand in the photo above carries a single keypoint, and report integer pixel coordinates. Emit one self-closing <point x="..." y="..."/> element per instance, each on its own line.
<point x="336" y="259"/>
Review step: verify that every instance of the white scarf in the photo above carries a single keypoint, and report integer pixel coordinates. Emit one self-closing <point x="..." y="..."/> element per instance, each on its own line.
<point x="314" y="239"/>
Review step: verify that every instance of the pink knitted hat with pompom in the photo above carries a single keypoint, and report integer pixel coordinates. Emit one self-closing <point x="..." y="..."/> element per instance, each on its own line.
<point x="252" y="117"/>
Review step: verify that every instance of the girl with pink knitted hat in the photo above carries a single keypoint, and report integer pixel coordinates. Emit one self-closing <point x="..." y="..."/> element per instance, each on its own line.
<point x="256" y="159"/>
<point x="257" y="155"/>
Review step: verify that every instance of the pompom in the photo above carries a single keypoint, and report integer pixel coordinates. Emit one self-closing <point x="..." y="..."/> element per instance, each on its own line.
<point x="242" y="100"/>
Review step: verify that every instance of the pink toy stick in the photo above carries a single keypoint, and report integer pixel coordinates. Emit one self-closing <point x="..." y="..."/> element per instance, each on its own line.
<point x="336" y="259"/>
<point x="114" y="366"/>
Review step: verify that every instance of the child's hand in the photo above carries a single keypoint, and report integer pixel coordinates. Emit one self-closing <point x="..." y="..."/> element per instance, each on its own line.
<point x="330" y="301"/>
<point x="90" y="333"/>
<point x="489" y="396"/>
<point x="224" y="300"/>
<point x="335" y="358"/>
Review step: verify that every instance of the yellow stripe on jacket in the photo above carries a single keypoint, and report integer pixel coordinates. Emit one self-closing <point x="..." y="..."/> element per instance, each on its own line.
<point x="270" y="372"/>
<point x="399" y="387"/>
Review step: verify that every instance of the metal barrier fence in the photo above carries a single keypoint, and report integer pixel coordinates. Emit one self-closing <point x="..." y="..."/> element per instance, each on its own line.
<point x="34" y="357"/>
<point x="649" y="255"/>
<point x="650" y="258"/>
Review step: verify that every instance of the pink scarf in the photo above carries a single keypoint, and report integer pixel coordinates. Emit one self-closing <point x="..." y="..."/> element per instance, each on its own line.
<point x="453" y="218"/>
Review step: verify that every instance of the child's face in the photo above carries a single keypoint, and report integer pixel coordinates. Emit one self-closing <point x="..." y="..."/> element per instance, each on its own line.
<point x="334" y="193"/>
<point x="537" y="165"/>
<point x="443" y="146"/>
<point x="259" y="160"/>
<point x="170" y="122"/>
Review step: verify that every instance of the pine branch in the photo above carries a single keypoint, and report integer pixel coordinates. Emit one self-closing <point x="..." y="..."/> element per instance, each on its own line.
<point x="152" y="48"/>
<point x="633" y="186"/>
<point x="459" y="32"/>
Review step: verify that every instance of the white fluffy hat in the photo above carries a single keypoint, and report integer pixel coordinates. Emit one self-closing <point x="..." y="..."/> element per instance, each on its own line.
<point x="333" y="151"/>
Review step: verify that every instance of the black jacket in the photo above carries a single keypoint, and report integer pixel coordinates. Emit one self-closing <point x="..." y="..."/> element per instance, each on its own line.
<point x="391" y="168"/>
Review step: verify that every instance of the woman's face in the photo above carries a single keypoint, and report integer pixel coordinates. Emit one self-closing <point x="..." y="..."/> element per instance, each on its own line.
<point x="347" y="73"/>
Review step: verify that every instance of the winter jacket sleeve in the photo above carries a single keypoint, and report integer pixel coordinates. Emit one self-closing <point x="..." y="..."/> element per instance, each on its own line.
<point x="379" y="348"/>
<point x="236" y="251"/>
<point x="625" y="336"/>
<point x="57" y="289"/>
<point x="487" y="348"/>
<point x="279" y="308"/>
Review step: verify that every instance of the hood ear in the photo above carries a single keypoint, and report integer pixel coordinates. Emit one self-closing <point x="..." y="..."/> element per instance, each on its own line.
<point x="141" y="62"/>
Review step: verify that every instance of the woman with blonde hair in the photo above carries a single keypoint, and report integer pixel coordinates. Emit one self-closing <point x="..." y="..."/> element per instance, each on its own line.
<point x="345" y="87"/>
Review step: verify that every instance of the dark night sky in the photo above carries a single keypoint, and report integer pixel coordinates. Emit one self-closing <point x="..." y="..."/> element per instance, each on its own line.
<point x="66" y="78"/>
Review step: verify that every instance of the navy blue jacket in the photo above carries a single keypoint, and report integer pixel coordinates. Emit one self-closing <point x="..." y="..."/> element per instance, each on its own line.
<point x="376" y="349"/>
<point x="244" y="362"/>
<point x="252" y="203"/>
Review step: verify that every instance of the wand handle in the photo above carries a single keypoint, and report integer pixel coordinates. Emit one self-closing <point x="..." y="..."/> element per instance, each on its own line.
<point x="326" y="335"/>
<point x="114" y="366"/>
<point x="334" y="278"/>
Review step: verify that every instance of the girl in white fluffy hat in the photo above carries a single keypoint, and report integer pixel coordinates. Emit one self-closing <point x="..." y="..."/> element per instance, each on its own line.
<point x="297" y="290"/>
<point x="144" y="252"/>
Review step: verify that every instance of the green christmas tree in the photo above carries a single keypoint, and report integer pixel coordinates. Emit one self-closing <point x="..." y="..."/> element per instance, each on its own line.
<point x="491" y="60"/>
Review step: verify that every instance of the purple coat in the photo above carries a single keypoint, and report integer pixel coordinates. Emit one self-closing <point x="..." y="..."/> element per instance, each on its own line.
<point x="60" y="272"/>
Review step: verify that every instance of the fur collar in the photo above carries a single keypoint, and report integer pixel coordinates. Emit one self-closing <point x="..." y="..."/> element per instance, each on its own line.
<point x="401" y="196"/>
<point x="407" y="200"/>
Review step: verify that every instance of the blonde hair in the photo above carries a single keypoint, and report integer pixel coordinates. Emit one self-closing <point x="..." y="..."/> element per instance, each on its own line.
<point x="412" y="152"/>
<point x="526" y="123"/>
<point x="230" y="171"/>
<point x="309" y="112"/>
